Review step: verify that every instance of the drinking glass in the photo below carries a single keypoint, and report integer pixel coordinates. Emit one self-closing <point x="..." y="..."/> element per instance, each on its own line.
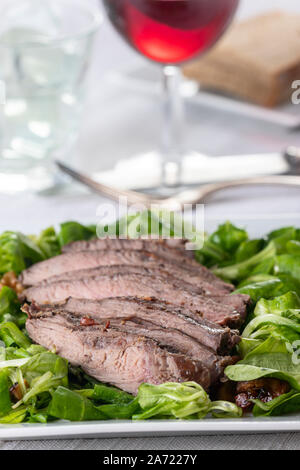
<point x="45" y="50"/>
<point x="171" y="32"/>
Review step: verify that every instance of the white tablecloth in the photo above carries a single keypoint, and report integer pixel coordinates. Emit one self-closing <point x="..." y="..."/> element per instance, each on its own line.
<point x="289" y="441"/>
<point x="212" y="132"/>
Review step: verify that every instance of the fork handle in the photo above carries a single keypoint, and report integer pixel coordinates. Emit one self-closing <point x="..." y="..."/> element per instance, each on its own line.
<point x="281" y="180"/>
<point x="199" y="195"/>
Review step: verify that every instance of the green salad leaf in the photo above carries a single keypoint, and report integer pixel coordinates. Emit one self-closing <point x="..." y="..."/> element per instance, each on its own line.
<point x="288" y="301"/>
<point x="293" y="247"/>
<point x="185" y="400"/>
<point x="257" y="290"/>
<point x="248" y="249"/>
<point x="73" y="231"/>
<point x="17" y="252"/>
<point x="281" y="237"/>
<point x="11" y="334"/>
<point x="284" y="404"/>
<point x="10" y="307"/>
<point x="67" y="404"/>
<point x="288" y="264"/>
<point x="5" y="403"/>
<point x="246" y="372"/>
<point x="48" y="242"/>
<point x="238" y="271"/>
<point x="229" y="237"/>
<point x="170" y="400"/>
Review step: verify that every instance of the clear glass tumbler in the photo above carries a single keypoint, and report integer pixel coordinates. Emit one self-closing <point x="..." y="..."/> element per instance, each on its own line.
<point x="45" y="51"/>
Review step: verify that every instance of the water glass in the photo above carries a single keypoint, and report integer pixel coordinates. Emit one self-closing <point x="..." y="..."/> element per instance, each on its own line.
<point x="45" y="52"/>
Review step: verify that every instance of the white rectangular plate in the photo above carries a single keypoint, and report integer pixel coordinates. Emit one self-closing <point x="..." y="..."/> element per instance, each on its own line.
<point x="106" y="429"/>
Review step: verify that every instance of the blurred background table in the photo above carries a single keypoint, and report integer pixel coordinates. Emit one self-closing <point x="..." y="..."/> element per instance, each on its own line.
<point x="114" y="121"/>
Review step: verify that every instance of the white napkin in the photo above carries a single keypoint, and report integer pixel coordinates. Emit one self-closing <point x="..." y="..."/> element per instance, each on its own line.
<point x="145" y="171"/>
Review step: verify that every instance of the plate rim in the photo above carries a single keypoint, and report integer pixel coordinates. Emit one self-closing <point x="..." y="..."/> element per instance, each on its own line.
<point x="127" y="428"/>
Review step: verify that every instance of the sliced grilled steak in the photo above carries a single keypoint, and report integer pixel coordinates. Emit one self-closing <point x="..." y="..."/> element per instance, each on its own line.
<point x="177" y="257"/>
<point x="231" y="312"/>
<point x="122" y="359"/>
<point x="196" y="284"/>
<point x="126" y="243"/>
<point x="173" y="340"/>
<point x="217" y="339"/>
<point x="112" y="271"/>
<point x="72" y="262"/>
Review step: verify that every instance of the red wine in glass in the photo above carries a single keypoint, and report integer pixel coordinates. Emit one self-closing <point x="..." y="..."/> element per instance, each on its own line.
<point x="171" y="32"/>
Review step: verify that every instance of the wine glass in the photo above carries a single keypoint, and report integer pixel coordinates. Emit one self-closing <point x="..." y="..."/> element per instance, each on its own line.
<point x="171" y="32"/>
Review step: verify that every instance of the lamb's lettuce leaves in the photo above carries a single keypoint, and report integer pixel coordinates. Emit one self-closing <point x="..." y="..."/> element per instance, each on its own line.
<point x="288" y="301"/>
<point x="267" y="289"/>
<point x="281" y="238"/>
<point x="173" y="400"/>
<point x="239" y="271"/>
<point x="257" y="327"/>
<point x="284" y="404"/>
<point x="265" y="267"/>
<point x="247" y="249"/>
<point x="73" y="231"/>
<point x="219" y="248"/>
<point x="10" y="307"/>
<point x="48" y="242"/>
<point x="17" y="252"/>
<point x="115" y="404"/>
<point x="75" y="406"/>
<point x="15" y="416"/>
<point x="108" y="394"/>
<point x="67" y="404"/>
<point x="186" y="400"/>
<point x="12" y="335"/>
<point x="5" y="403"/>
<point x="267" y="286"/>
<point x="44" y="362"/>
<point x="247" y="372"/>
<point x="288" y="264"/>
<point x="293" y="247"/>
<point x="157" y="223"/>
<point x="170" y="401"/>
<point x="272" y="358"/>
<point x="247" y="345"/>
<point x="229" y="238"/>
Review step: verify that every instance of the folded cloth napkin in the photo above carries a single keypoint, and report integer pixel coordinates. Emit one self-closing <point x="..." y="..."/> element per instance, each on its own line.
<point x="257" y="60"/>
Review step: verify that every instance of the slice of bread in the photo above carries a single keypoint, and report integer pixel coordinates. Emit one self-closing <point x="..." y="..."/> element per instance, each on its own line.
<point x="257" y="60"/>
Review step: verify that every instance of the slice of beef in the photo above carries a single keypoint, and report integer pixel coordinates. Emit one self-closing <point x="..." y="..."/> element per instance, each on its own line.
<point x="265" y="389"/>
<point x="163" y="248"/>
<point x="196" y="285"/>
<point x="173" y="340"/>
<point x="112" y="356"/>
<point x="218" y="339"/>
<point x="126" y="243"/>
<point x="142" y="271"/>
<point x="231" y="311"/>
<point x="78" y="261"/>
<point x="130" y="261"/>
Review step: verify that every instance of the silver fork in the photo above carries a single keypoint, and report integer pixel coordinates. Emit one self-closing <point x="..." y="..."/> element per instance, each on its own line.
<point x="177" y="202"/>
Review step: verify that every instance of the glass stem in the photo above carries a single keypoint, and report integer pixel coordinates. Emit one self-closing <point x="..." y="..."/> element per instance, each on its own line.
<point x="172" y="144"/>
